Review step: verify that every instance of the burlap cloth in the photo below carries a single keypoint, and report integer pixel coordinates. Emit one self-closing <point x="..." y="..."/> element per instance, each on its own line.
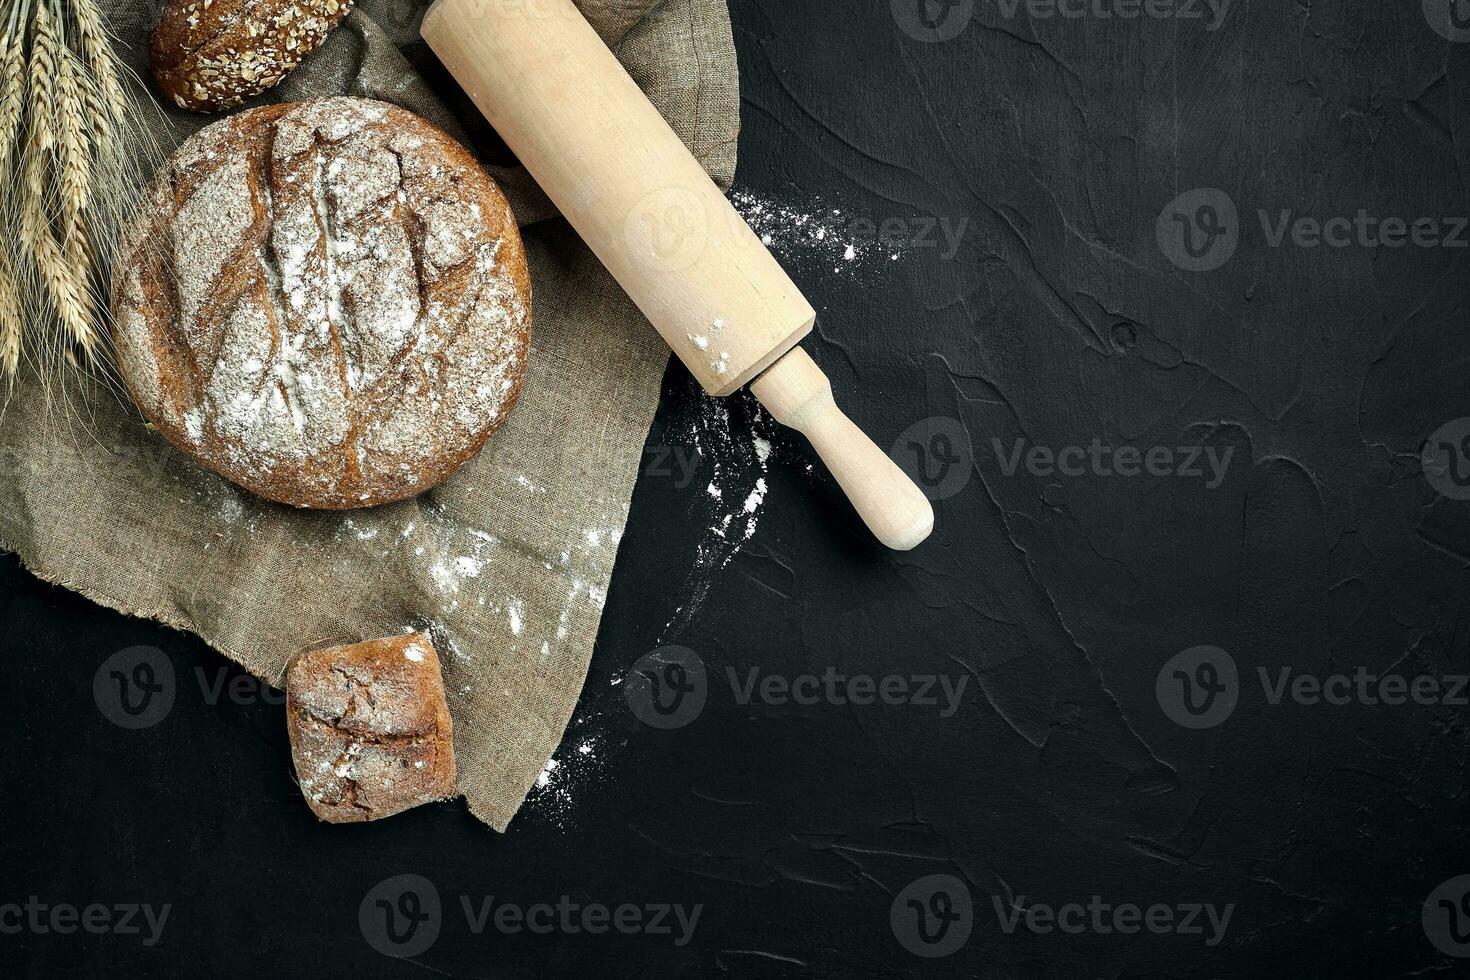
<point x="511" y="559"/>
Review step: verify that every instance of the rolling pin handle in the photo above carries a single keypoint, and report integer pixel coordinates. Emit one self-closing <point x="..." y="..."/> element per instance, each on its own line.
<point x="799" y="395"/>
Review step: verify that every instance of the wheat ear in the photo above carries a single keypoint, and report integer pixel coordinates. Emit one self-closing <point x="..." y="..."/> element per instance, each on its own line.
<point x="10" y="322"/>
<point x="99" y="54"/>
<point x="107" y="105"/>
<point x="63" y="281"/>
<point x="12" y="95"/>
<point x="73" y="160"/>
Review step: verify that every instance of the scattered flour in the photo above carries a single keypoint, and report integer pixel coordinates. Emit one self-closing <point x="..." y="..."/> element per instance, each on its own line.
<point x="580" y="763"/>
<point x="808" y="231"/>
<point x="733" y="436"/>
<point x="756" y="498"/>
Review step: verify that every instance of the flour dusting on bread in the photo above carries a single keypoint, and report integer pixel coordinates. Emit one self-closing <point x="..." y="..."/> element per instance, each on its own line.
<point x="340" y="316"/>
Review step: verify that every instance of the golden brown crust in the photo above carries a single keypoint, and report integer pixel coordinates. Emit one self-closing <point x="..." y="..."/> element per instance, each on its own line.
<point x="328" y="303"/>
<point x="209" y="55"/>
<point x="370" y="729"/>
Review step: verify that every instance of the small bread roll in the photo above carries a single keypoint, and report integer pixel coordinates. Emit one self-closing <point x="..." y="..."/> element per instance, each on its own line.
<point x="370" y="728"/>
<point x="209" y="55"/>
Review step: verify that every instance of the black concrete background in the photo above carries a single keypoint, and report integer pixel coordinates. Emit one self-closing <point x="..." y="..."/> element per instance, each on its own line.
<point x="1063" y="317"/>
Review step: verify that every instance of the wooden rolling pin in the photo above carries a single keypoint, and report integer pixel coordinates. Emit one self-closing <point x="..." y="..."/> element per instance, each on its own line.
<point x="636" y="195"/>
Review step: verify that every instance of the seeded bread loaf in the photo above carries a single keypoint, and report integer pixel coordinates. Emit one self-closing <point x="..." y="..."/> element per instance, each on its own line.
<point x="209" y="55"/>
<point x="370" y="729"/>
<point x="325" y="302"/>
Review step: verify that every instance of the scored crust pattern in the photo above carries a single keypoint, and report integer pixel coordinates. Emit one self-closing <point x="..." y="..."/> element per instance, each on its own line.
<point x="327" y="303"/>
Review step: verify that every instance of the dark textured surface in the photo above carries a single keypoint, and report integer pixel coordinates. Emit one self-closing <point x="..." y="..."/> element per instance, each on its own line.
<point x="1058" y="599"/>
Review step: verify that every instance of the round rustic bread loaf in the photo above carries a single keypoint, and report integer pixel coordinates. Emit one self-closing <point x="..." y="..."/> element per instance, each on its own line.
<point x="326" y="303"/>
<point x="209" y="55"/>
